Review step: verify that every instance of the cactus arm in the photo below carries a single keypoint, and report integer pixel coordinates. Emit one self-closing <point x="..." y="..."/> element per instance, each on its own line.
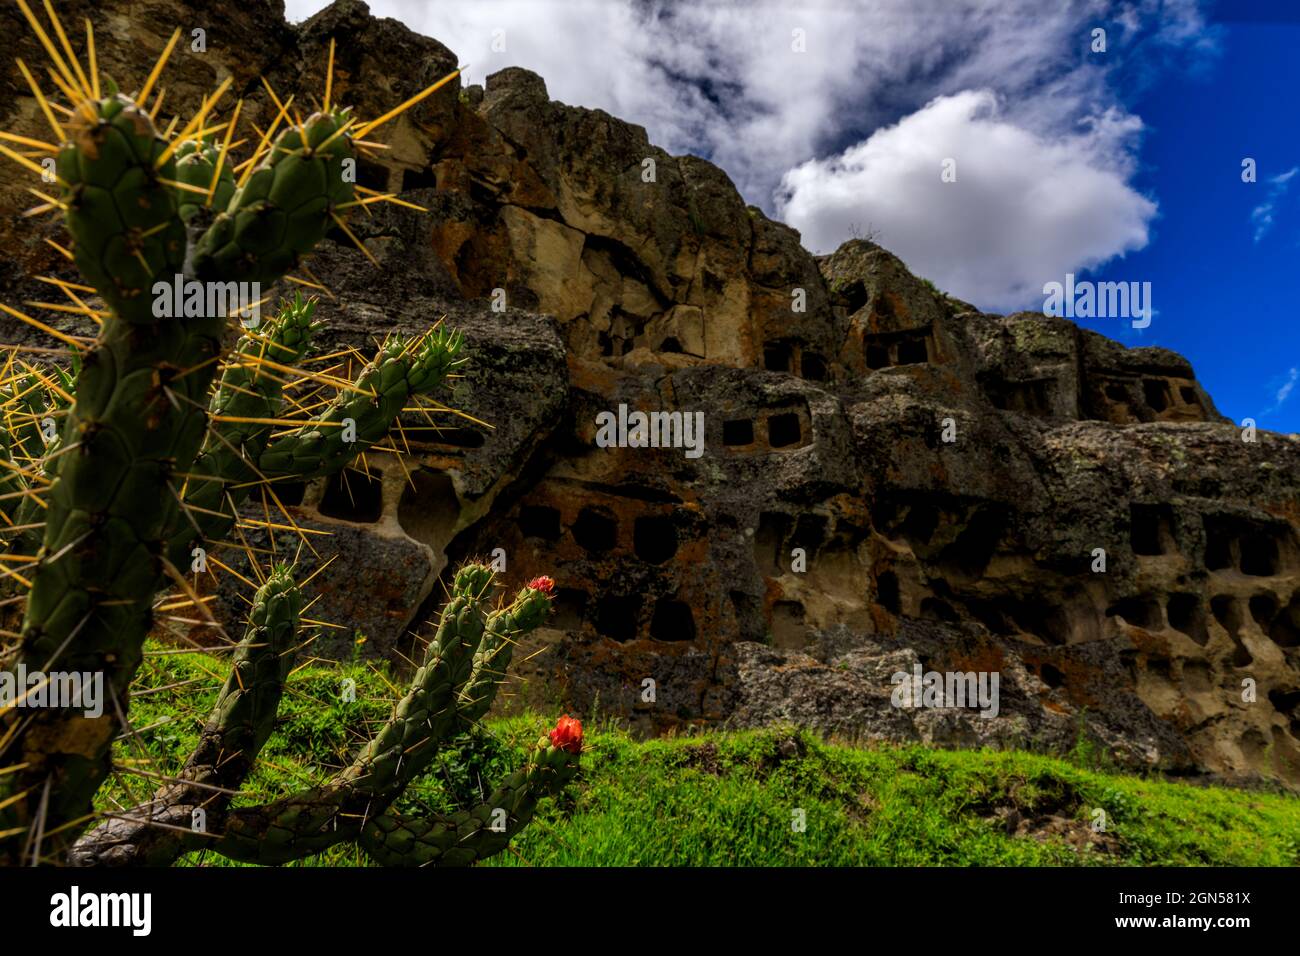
<point x="460" y="839"/>
<point x="431" y="713"/>
<point x="286" y="206"/>
<point x="122" y="216"/>
<point x="426" y="716"/>
<point x="240" y="724"/>
<point x="225" y="467"/>
<point x="114" y="511"/>
<point x="244" y="715"/>
<point x="355" y="805"/>
<point x="315" y="819"/>
<point x="196" y="162"/>
<point x="108" y="511"/>
<point x="402" y="370"/>
<point x="504" y="628"/>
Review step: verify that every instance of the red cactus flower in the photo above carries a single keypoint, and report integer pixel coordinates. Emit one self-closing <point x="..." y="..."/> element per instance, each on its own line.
<point x="567" y="734"/>
<point x="544" y="584"/>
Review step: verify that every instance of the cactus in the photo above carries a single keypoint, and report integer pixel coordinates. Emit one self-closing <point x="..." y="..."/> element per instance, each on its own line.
<point x="160" y="437"/>
<point x="198" y="161"/>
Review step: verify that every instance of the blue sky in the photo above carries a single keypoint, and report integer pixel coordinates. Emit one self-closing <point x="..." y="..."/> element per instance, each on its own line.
<point x="1228" y="301"/>
<point x="836" y="115"/>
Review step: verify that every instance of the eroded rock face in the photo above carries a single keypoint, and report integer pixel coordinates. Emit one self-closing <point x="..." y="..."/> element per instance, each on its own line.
<point x="888" y="477"/>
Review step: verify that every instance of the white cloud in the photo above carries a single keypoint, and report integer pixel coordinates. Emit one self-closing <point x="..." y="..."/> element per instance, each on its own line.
<point x="714" y="79"/>
<point x="1025" y="209"/>
<point x="1284" y="392"/>
<point x="1262" y="215"/>
<point x="720" y="78"/>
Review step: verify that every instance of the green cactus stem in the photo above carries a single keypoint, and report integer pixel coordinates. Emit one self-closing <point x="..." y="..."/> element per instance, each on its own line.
<point x="150" y="459"/>
<point x="140" y="416"/>
<point x="197" y="164"/>
<point x="426" y="718"/>
<point x="122" y="216"/>
<point x="247" y="397"/>
<point x="362" y="416"/>
<point x="460" y="839"/>
<point x="240" y="724"/>
<point x="287" y="205"/>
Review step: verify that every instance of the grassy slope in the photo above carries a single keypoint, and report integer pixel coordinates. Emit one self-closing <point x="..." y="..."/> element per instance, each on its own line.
<point x="729" y="798"/>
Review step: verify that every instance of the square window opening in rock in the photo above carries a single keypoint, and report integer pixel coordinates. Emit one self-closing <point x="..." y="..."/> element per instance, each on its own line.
<point x="887" y="595"/>
<point x="738" y="431"/>
<point x="618" y="617"/>
<point x="289" y="493"/>
<point x="596" y="531"/>
<point x="1263" y="608"/>
<point x="1051" y="676"/>
<point x="977" y="542"/>
<point x="1259" y="555"/>
<point x="351" y="495"/>
<point x="933" y="609"/>
<point x="423" y="178"/>
<point x="570" y="609"/>
<point x="855" y="295"/>
<point x="912" y="351"/>
<point x="778" y="357"/>
<point x="921" y="522"/>
<point x="1048" y="624"/>
<point x="372" y="176"/>
<point x="539" y="521"/>
<point x="813" y="367"/>
<point x="1287" y="703"/>
<point x="1218" y="545"/>
<point x="654" y="538"/>
<point x="672" y="621"/>
<point x="1226" y="612"/>
<point x="784" y="430"/>
<point x="1156" y="393"/>
<point x="1186" y="614"/>
<point x="809" y="533"/>
<point x="1285" y="629"/>
<point x="1140" y="612"/>
<point x="1149" y="528"/>
<point x="989" y="614"/>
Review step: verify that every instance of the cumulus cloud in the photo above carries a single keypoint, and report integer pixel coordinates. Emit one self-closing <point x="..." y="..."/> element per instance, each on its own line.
<point x="1023" y="209"/>
<point x="734" y="82"/>
<point x="764" y="87"/>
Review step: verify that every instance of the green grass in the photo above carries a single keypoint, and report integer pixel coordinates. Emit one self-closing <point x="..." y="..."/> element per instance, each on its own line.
<point x="721" y="799"/>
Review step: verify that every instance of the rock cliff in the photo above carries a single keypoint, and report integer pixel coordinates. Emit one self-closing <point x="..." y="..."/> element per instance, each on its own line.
<point x="889" y="477"/>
